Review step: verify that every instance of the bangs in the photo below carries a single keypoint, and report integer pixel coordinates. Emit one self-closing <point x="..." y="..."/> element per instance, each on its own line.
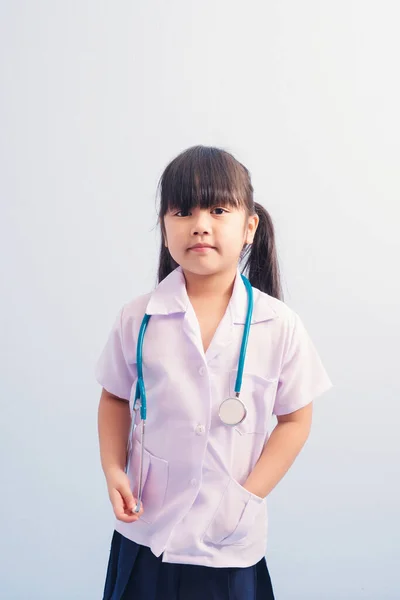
<point x="202" y="177"/>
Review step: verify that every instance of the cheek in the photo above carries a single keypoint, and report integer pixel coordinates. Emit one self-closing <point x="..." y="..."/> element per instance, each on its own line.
<point x="173" y="237"/>
<point x="237" y="234"/>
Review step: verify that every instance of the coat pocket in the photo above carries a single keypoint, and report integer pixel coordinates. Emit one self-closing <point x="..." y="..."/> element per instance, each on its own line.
<point x="258" y="394"/>
<point x="235" y="516"/>
<point x="155" y="480"/>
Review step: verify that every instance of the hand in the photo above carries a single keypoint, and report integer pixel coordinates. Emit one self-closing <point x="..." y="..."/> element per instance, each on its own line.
<point x="248" y="488"/>
<point x="122" y="499"/>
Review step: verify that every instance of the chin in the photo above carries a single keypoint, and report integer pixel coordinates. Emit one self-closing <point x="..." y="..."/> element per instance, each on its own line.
<point x="201" y="270"/>
<point x="196" y="270"/>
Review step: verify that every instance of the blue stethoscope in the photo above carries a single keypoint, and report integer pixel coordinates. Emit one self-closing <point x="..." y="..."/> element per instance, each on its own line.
<point x="232" y="411"/>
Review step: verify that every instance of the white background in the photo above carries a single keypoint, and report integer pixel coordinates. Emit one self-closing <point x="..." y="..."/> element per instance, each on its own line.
<point x="97" y="97"/>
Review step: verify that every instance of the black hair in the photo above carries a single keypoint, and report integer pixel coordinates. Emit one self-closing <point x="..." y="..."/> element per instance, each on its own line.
<point x="205" y="177"/>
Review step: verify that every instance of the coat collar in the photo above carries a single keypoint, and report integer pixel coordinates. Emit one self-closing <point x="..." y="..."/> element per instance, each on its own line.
<point x="170" y="297"/>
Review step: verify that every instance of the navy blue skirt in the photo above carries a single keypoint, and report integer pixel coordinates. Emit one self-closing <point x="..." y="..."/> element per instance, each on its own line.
<point x="134" y="573"/>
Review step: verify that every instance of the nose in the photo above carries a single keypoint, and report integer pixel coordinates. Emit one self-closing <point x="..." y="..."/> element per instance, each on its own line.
<point x="201" y="223"/>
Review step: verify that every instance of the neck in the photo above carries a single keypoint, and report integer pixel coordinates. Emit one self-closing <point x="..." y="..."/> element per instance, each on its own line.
<point x="210" y="286"/>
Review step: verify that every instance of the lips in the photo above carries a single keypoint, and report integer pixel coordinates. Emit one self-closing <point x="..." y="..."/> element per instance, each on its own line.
<point x="200" y="246"/>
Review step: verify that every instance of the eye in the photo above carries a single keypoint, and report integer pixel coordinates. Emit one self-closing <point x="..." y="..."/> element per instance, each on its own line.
<point x="219" y="208"/>
<point x="181" y="213"/>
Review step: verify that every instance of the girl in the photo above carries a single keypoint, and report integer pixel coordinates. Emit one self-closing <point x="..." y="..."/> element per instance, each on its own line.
<point x="206" y="464"/>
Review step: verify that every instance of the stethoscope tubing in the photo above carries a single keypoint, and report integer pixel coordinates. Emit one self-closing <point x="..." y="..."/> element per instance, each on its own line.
<point x="245" y="338"/>
<point x="140" y="392"/>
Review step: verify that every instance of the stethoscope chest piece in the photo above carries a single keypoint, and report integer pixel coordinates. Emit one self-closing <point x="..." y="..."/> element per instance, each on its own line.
<point x="232" y="411"/>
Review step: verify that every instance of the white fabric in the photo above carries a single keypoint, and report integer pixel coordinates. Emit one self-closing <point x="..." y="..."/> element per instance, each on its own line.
<point x="196" y="510"/>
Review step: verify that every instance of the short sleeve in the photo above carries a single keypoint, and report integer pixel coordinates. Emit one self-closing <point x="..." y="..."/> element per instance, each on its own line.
<point x="303" y="376"/>
<point x="113" y="371"/>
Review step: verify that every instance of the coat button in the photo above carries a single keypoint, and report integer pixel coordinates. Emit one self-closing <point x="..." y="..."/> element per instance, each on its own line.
<point x="202" y="370"/>
<point x="200" y="429"/>
<point x="193" y="482"/>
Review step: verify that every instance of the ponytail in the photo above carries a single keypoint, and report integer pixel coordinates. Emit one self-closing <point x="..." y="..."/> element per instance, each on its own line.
<point x="261" y="258"/>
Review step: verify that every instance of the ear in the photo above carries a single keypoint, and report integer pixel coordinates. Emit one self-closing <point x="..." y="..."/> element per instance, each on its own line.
<point x="252" y="225"/>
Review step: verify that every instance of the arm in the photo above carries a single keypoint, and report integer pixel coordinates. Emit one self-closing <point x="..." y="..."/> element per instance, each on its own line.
<point x="113" y="426"/>
<point x="280" y="451"/>
<point x="302" y="379"/>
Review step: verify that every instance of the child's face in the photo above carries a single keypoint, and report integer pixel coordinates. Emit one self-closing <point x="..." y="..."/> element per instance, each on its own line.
<point x="224" y="229"/>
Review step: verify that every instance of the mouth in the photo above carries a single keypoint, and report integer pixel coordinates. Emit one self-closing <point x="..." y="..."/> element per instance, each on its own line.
<point x="201" y="248"/>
